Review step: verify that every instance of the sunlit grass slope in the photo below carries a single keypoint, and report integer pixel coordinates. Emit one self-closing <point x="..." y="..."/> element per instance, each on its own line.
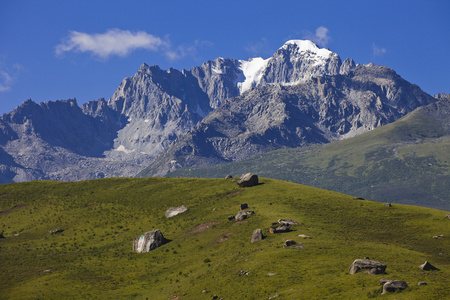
<point x="93" y="259"/>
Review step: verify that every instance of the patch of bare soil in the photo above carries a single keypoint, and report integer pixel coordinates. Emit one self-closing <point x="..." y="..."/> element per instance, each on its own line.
<point x="4" y="195"/>
<point x="202" y="227"/>
<point x="223" y="237"/>
<point x="234" y="193"/>
<point x="13" y="209"/>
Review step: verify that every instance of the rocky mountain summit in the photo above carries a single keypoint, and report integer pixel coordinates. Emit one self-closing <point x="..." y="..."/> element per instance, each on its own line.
<point x="319" y="110"/>
<point x="225" y="110"/>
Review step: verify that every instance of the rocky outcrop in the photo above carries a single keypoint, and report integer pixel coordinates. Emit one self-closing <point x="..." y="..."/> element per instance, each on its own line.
<point x="318" y="110"/>
<point x="248" y="180"/>
<point x="287" y="221"/>
<point x="148" y="241"/>
<point x="371" y="266"/>
<point x="174" y="211"/>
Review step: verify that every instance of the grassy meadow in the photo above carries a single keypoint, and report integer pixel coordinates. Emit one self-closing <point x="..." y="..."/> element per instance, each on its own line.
<point x="207" y="254"/>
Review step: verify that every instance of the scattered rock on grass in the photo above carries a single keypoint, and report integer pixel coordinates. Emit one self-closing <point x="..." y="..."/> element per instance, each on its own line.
<point x="439" y="236"/>
<point x="292" y="244"/>
<point x="287" y="221"/>
<point x="228" y="177"/>
<point x="282" y="228"/>
<point x="243" y="206"/>
<point x="248" y="180"/>
<point x="426" y="266"/>
<point x="173" y="211"/>
<point x="305" y="236"/>
<point x="230" y="218"/>
<point x="148" y="241"/>
<point x="388" y="205"/>
<point x="372" y="267"/>
<point x="243" y="214"/>
<point x="394" y="286"/>
<point x="55" y="231"/>
<point x="257" y="235"/>
<point x="421" y="283"/>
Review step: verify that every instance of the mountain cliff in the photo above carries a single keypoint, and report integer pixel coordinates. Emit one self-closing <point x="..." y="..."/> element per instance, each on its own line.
<point x="306" y="94"/>
<point x="319" y="110"/>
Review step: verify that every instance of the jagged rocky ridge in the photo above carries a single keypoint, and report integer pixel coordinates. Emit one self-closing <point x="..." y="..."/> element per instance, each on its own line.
<point x="320" y="110"/>
<point x="149" y="111"/>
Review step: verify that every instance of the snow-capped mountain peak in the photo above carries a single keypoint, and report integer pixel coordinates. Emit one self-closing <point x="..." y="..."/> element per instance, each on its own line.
<point x="308" y="46"/>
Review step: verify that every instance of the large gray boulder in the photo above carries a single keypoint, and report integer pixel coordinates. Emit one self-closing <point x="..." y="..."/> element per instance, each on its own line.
<point x="257" y="235"/>
<point x="173" y="211"/>
<point x="394" y="286"/>
<point x="248" y="180"/>
<point x="148" y="241"/>
<point x="372" y="267"/>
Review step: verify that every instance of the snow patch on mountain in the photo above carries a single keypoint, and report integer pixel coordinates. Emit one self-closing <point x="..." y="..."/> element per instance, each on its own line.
<point x="253" y="70"/>
<point x="308" y="46"/>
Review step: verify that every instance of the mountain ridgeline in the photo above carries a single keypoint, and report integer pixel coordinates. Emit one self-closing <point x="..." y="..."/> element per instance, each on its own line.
<point x="224" y="110"/>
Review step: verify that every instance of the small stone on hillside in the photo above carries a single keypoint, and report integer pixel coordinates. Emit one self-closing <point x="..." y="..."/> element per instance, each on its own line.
<point x="257" y="235"/>
<point x="305" y="236"/>
<point x="394" y="286"/>
<point x="271" y="274"/>
<point x="287" y="221"/>
<point x="228" y="177"/>
<point x="248" y="180"/>
<point x="173" y="211"/>
<point x="243" y="206"/>
<point x="243" y="214"/>
<point x="279" y="229"/>
<point x="426" y="266"/>
<point x="148" y="241"/>
<point x="388" y="205"/>
<point x="372" y="267"/>
<point x="230" y="218"/>
<point x="55" y="231"/>
<point x="292" y="244"/>
<point x="274" y="296"/>
<point x="439" y="236"/>
<point x="421" y="283"/>
<point x="448" y="216"/>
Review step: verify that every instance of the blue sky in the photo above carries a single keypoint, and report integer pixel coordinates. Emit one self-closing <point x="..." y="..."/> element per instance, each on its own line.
<point x="52" y="50"/>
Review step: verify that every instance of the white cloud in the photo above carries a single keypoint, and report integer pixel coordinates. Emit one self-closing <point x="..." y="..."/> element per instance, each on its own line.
<point x="321" y="36"/>
<point x="377" y="50"/>
<point x="113" y="42"/>
<point x="8" y="76"/>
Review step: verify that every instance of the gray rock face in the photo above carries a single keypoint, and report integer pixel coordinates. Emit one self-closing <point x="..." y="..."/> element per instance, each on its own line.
<point x="394" y="286"/>
<point x="371" y="266"/>
<point x="319" y="110"/>
<point x="174" y="211"/>
<point x="248" y="180"/>
<point x="257" y="235"/>
<point x="148" y="241"/>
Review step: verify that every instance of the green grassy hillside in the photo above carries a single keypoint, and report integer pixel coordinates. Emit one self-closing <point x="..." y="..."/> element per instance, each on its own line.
<point x="92" y="258"/>
<point x="406" y="162"/>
